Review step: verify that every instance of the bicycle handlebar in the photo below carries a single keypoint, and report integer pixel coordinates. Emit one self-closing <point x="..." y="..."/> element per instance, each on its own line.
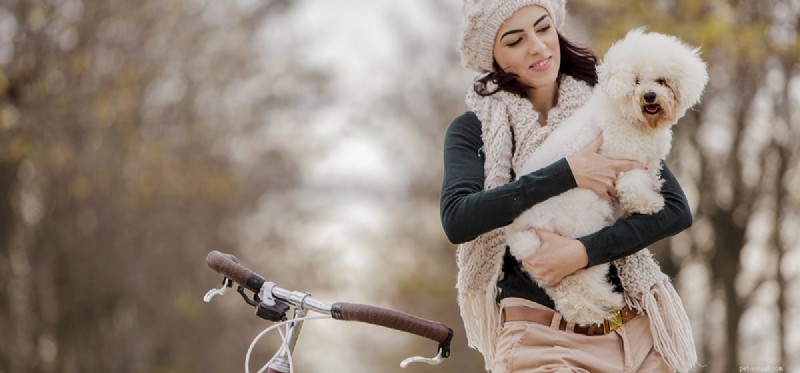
<point x="394" y="320"/>
<point x="228" y="265"/>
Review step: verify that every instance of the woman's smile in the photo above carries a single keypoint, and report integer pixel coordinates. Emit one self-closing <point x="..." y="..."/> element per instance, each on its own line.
<point x="542" y="65"/>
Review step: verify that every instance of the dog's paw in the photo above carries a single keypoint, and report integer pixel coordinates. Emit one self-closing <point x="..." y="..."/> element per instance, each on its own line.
<point x="651" y="203"/>
<point x="586" y="297"/>
<point x="642" y="202"/>
<point x="582" y="312"/>
<point x="611" y="302"/>
<point x="522" y="244"/>
<point x="637" y="194"/>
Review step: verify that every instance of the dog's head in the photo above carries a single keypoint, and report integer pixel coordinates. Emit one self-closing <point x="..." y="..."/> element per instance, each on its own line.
<point x="652" y="78"/>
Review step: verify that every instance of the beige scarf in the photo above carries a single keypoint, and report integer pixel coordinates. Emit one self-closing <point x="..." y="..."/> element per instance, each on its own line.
<point x="505" y="118"/>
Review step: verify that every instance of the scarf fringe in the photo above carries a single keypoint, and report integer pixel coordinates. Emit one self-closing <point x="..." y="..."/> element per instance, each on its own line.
<point x="669" y="325"/>
<point x="481" y="316"/>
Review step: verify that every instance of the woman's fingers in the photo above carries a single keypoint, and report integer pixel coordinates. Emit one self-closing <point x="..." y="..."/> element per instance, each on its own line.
<point x="543" y="234"/>
<point x="596" y="144"/>
<point x="603" y="193"/>
<point x="622" y="165"/>
<point x="598" y="173"/>
<point x="605" y="189"/>
<point x="557" y="257"/>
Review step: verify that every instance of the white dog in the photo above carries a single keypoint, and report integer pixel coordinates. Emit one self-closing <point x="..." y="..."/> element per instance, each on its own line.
<point x="646" y="83"/>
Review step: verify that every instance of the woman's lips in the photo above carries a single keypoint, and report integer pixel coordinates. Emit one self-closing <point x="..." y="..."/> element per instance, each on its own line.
<point x="542" y="65"/>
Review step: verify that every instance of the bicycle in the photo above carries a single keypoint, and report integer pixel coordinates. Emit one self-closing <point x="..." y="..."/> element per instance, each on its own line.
<point x="272" y="302"/>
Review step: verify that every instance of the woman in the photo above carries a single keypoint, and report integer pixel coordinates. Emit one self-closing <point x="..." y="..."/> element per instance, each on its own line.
<point x="534" y="79"/>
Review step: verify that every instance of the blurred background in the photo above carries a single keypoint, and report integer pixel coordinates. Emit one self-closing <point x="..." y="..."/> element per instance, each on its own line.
<point x="305" y="137"/>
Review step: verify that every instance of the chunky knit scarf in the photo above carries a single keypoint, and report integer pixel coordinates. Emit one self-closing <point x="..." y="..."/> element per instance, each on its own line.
<point x="506" y="119"/>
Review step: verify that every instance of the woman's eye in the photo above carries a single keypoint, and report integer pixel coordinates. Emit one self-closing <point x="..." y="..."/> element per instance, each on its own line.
<point x="544" y="29"/>
<point x="515" y="42"/>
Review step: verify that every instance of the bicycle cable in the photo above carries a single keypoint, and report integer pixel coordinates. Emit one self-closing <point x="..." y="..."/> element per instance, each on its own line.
<point x="288" y="352"/>
<point x="283" y="344"/>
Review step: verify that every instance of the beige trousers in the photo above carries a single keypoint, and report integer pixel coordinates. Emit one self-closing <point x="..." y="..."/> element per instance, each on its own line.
<point x="528" y="347"/>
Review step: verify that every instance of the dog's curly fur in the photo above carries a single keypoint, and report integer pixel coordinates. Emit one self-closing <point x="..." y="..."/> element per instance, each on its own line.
<point x="647" y="81"/>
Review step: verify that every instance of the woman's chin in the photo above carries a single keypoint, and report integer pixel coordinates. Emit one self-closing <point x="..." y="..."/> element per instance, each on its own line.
<point x="538" y="79"/>
<point x="540" y="82"/>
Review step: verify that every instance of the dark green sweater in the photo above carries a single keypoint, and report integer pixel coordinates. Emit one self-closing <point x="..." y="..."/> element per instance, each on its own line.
<point x="467" y="210"/>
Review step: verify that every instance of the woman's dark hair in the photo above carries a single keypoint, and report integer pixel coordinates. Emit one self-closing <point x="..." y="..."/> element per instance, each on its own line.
<point x="577" y="61"/>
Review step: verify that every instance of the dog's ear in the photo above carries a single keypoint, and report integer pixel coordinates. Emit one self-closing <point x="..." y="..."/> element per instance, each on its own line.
<point x="694" y="76"/>
<point x="617" y="81"/>
<point x="615" y="74"/>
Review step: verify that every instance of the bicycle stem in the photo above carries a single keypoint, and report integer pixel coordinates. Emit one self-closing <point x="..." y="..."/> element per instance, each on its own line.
<point x="301" y="300"/>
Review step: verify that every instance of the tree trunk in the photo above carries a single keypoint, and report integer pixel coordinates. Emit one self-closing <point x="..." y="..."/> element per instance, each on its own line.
<point x="781" y="202"/>
<point x="728" y="243"/>
<point x="8" y="178"/>
<point x="782" y="205"/>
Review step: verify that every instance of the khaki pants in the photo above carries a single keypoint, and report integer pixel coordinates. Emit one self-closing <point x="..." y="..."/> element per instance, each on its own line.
<point x="528" y="347"/>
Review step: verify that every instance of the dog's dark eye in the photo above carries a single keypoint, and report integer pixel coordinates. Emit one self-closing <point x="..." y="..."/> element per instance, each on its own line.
<point x="661" y="81"/>
<point x="637" y="81"/>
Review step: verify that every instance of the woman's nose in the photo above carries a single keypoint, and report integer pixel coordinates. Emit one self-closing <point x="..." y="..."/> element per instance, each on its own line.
<point x="536" y="45"/>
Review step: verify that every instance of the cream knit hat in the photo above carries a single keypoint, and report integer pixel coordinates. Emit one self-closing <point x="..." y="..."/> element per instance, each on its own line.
<point x="482" y="19"/>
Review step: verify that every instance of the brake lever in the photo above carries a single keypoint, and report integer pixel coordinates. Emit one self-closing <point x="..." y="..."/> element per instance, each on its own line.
<point x="226" y="283"/>
<point x="419" y="359"/>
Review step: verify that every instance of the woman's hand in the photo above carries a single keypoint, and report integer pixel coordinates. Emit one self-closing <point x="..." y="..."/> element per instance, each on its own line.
<point x="557" y="258"/>
<point x="597" y="173"/>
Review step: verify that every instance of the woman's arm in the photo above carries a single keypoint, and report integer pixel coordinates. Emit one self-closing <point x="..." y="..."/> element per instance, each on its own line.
<point x="559" y="257"/>
<point x="629" y="235"/>
<point x="467" y="210"/>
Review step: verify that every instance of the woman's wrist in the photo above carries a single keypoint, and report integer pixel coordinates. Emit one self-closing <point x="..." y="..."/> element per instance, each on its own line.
<point x="579" y="254"/>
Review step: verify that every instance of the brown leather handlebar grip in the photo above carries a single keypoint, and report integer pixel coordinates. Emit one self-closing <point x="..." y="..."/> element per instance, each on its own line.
<point x="394" y="320"/>
<point x="227" y="265"/>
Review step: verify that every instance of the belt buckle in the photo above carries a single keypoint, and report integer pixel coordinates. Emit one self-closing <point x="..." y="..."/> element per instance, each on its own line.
<point x="612" y="322"/>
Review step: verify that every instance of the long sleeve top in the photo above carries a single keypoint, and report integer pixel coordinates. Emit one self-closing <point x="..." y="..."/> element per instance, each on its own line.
<point x="467" y="210"/>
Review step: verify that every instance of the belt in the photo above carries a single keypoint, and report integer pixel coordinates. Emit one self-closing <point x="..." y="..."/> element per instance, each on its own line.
<point x="545" y="317"/>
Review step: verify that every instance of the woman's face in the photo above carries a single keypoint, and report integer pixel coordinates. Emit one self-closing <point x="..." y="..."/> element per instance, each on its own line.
<point x="527" y="45"/>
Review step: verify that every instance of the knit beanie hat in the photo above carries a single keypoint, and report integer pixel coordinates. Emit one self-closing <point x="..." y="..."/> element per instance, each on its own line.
<point x="482" y="19"/>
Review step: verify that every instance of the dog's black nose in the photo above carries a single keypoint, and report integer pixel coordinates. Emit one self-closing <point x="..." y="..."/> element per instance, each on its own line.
<point x="650" y="97"/>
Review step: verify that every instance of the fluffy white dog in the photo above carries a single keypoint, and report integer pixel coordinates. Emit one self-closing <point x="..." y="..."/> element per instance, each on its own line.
<point x="646" y="83"/>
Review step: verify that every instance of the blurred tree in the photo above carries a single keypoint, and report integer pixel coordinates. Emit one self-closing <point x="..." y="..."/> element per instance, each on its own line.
<point x="429" y="94"/>
<point x="117" y="175"/>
